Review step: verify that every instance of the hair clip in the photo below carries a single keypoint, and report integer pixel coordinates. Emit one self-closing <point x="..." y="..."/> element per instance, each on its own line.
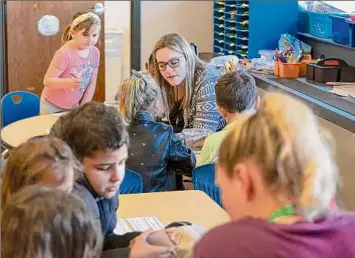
<point x="136" y="74"/>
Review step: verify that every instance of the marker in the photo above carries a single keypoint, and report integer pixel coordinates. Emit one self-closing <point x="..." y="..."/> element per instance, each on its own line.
<point x="74" y="76"/>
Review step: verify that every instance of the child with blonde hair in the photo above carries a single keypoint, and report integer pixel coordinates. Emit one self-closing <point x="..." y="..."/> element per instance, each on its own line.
<point x="72" y="74"/>
<point x="277" y="177"/>
<point x="155" y="151"/>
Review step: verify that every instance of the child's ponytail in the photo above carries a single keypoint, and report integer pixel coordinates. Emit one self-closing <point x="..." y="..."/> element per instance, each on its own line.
<point x="66" y="34"/>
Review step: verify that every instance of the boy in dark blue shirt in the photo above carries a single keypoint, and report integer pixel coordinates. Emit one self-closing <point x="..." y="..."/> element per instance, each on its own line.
<point x="99" y="139"/>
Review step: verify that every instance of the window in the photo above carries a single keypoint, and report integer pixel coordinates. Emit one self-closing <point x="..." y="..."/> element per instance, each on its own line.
<point x="346" y="6"/>
<point x="328" y="6"/>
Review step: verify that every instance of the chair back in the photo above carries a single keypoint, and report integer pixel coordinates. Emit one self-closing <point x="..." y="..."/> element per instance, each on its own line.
<point x="203" y="179"/>
<point x="132" y="183"/>
<point x="13" y="110"/>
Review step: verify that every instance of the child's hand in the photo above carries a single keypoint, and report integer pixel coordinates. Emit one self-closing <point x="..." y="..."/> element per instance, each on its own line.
<point x="160" y="238"/>
<point x="73" y="83"/>
<point x="140" y="248"/>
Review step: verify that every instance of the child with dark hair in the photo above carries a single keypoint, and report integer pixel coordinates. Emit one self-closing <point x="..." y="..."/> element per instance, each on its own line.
<point x="99" y="138"/>
<point x="236" y="93"/>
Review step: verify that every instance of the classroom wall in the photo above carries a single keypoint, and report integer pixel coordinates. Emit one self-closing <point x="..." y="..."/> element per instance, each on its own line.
<point x="192" y="19"/>
<point x="117" y="17"/>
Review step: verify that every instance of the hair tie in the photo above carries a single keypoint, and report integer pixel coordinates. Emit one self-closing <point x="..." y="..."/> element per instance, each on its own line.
<point x="136" y="74"/>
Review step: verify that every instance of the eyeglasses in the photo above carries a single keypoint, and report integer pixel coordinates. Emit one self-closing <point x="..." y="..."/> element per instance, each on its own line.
<point x="173" y="63"/>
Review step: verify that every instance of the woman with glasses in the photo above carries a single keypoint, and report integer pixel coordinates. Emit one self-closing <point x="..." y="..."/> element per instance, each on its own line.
<point x="188" y="89"/>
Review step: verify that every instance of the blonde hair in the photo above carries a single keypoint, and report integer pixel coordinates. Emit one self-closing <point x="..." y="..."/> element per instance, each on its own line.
<point x="292" y="151"/>
<point x="31" y="161"/>
<point x="41" y="222"/>
<point x="178" y="44"/>
<point x="87" y="24"/>
<point x="137" y="94"/>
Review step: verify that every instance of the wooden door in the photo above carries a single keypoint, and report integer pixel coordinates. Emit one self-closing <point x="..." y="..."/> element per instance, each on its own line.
<point x="29" y="53"/>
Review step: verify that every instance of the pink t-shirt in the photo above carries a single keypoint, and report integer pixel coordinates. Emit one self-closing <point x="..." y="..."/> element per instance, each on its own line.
<point x="67" y="59"/>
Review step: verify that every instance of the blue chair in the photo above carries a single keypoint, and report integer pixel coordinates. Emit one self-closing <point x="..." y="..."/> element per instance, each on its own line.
<point x="132" y="183"/>
<point x="27" y="106"/>
<point x="203" y="179"/>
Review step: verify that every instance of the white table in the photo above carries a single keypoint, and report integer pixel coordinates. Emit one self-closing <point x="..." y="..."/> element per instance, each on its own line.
<point x="192" y="206"/>
<point x="20" y="131"/>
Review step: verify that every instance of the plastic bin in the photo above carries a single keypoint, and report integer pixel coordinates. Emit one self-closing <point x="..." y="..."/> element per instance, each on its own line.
<point x="276" y="68"/>
<point x="303" y="67"/>
<point x="320" y="24"/>
<point x="287" y="70"/>
<point x="329" y="70"/>
<point x="340" y="30"/>
<point x="347" y="74"/>
<point x="303" y="21"/>
<point x="351" y="33"/>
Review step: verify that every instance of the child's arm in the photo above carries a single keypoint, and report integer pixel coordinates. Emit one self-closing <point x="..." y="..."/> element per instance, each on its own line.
<point x="58" y="65"/>
<point x="90" y="90"/>
<point x="52" y="80"/>
<point x="205" y="156"/>
<point x="180" y="156"/>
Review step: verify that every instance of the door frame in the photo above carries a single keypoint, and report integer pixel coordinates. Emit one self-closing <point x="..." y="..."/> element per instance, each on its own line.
<point x="3" y="49"/>
<point x="136" y="35"/>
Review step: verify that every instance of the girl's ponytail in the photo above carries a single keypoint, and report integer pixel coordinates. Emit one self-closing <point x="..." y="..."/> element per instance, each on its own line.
<point x="66" y="34"/>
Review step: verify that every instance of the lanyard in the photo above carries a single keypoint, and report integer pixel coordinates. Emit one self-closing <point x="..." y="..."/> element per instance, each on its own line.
<point x="285" y="211"/>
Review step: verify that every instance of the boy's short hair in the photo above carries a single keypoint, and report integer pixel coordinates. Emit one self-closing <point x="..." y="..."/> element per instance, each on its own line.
<point x="90" y="128"/>
<point x="44" y="222"/>
<point x="236" y="92"/>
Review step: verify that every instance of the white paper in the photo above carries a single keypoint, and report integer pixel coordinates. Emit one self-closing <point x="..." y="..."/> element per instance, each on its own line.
<point x="137" y="224"/>
<point x="344" y="91"/>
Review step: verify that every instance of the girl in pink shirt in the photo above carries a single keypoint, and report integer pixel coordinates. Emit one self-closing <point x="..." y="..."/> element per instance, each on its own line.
<point x="71" y="77"/>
